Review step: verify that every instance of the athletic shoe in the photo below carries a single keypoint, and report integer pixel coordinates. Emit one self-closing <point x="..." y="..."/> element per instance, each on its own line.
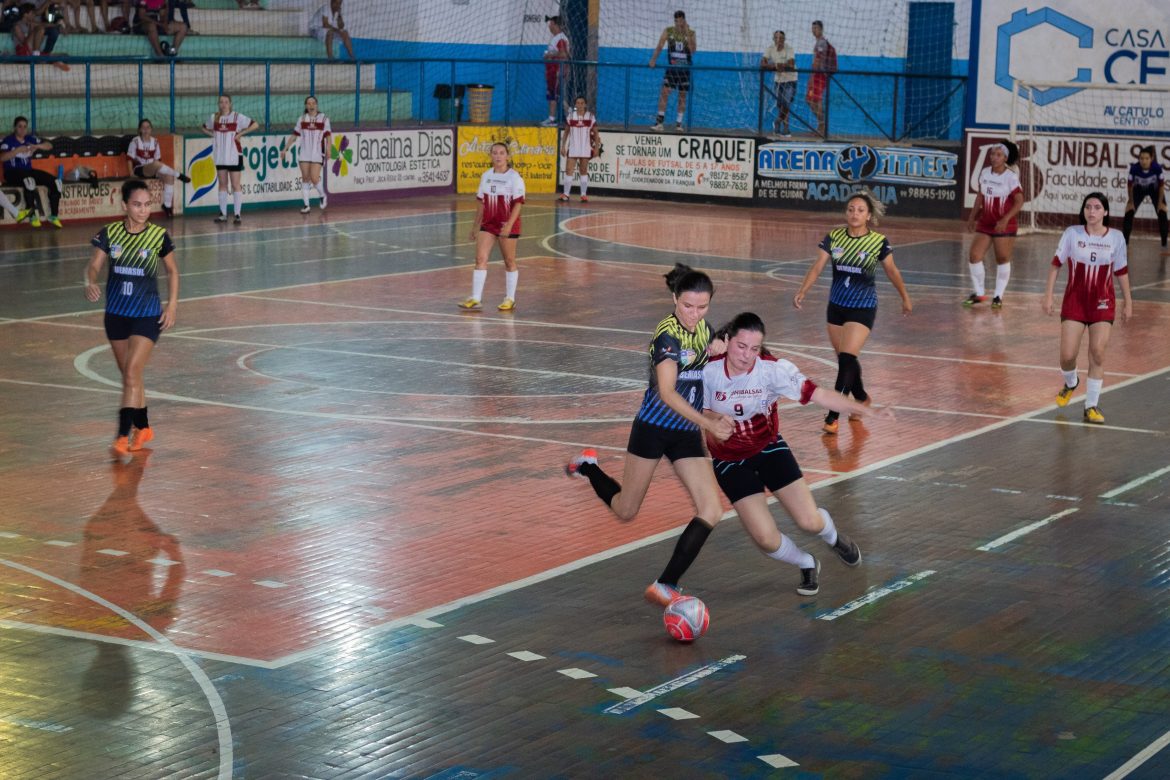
<point x="662" y="594"/>
<point x="24" y="214"/>
<point x="507" y="305"/>
<point x="678" y="127"/>
<point x="550" y="122"/>
<point x="184" y="178"/>
<point x="35" y="220"/>
<point x="973" y="299"/>
<point x="305" y="209"/>
<point x="1065" y="394"/>
<point x="1093" y="415"/>
<point x="830" y="427"/>
<point x="236" y="219"/>
<point x="786" y="135"/>
<point x="584" y="198"/>
<point x="573" y="467"/>
<point x="221" y="218"/>
<point x="55" y="221"/>
<point x="856" y="417"/>
<point x="809" y="584"/>
<point x="121" y="446"/>
<point x="997" y="302"/>
<point x="846" y="550"/>
<point x="563" y="199"/>
<point x="656" y="126"/>
<point x="168" y="211"/>
<point x="324" y="201"/>
<point x="470" y="303"/>
<point x="141" y="438"/>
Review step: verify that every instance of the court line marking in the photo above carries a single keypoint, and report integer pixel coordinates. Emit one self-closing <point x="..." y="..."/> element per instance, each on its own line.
<point x="1117" y="491"/>
<point x="1027" y="529"/>
<point x="623" y="707"/>
<point x="874" y="595"/>
<point x="222" y="722"/>
<point x="1142" y="757"/>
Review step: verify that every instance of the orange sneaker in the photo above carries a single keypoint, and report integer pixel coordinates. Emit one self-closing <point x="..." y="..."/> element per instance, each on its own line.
<point x="121" y="446"/>
<point x="830" y="428"/>
<point x="141" y="438"/>
<point x="662" y="594"/>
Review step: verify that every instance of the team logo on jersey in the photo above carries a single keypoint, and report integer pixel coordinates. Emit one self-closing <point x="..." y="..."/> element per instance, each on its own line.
<point x="837" y="253"/>
<point x="1081" y="245"/>
<point x="686" y="357"/>
<point x="720" y="395"/>
<point x="862" y="255"/>
<point x="144" y="253"/>
<point x="115" y="251"/>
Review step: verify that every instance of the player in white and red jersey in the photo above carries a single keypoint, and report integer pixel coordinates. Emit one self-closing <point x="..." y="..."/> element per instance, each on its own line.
<point x="993" y="219"/>
<point x="146" y="161"/>
<point x="1094" y="254"/>
<point x="226" y="127"/>
<point x="745" y="385"/>
<point x="581" y="141"/>
<point x="555" y="55"/>
<point x="497" y="221"/>
<point x="311" y="133"/>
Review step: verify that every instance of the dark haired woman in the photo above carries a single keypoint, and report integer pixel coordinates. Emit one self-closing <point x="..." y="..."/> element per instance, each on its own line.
<point x="1094" y="254"/>
<point x="744" y="385"/>
<point x="1145" y="181"/>
<point x="135" y="316"/>
<point x="670" y="422"/>
<point x="993" y="219"/>
<point x="311" y="136"/>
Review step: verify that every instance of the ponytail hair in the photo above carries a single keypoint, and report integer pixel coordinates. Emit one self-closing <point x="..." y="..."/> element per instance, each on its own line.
<point x="745" y="320"/>
<point x="683" y="278"/>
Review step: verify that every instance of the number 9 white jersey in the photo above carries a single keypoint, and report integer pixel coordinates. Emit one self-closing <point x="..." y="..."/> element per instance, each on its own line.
<point x="750" y="400"/>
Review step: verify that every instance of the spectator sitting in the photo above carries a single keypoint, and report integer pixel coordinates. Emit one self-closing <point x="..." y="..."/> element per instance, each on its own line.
<point x="76" y="26"/>
<point x="149" y="21"/>
<point x="182" y="6"/>
<point x="252" y="5"/>
<point x="51" y="19"/>
<point x="108" y="24"/>
<point x="326" y="24"/>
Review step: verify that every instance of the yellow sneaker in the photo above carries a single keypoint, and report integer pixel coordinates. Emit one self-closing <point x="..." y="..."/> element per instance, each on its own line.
<point x="35" y="220"/>
<point x="24" y="214"/>
<point x="54" y="221"/>
<point x="471" y="304"/>
<point x="1093" y="415"/>
<point x="1065" y="395"/>
<point x="507" y="305"/>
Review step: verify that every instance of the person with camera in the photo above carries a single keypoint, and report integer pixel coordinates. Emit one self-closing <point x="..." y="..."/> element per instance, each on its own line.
<point x="150" y="19"/>
<point x="16" y="152"/>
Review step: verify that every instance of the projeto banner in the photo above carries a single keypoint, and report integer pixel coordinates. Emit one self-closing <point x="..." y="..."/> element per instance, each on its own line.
<point x="265" y="178"/>
<point x="381" y="160"/>
<point x="704" y="167"/>
<point x="916" y="180"/>
<point x="534" y="155"/>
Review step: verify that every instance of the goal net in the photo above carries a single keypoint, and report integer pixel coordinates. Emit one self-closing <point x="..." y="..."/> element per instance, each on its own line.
<point x="1080" y="138"/>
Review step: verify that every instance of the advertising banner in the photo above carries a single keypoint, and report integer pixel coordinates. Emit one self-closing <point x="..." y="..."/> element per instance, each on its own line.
<point x="534" y="155"/>
<point x="692" y="165"/>
<point x="265" y="178"/>
<point x="1060" y="170"/>
<point x="383" y="160"/>
<point x="922" y="181"/>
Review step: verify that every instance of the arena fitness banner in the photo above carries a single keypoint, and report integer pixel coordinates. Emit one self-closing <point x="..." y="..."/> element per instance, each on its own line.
<point x="534" y="155"/>
<point x="704" y="167"/>
<point x="909" y="180"/>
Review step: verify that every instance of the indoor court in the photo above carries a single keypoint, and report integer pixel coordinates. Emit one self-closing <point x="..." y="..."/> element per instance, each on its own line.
<point x="352" y="550"/>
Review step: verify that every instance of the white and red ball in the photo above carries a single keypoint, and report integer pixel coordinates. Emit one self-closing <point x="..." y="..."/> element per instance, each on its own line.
<point x="686" y="618"/>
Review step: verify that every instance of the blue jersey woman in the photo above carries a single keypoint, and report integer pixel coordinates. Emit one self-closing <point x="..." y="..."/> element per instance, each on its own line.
<point x="1146" y="181"/>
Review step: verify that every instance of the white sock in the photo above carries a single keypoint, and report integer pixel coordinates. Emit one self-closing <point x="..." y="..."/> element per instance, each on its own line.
<point x="680" y="117"/>
<point x="478" y="278"/>
<point x="237" y="201"/>
<point x="585" y="185"/>
<point x="1070" y="378"/>
<point x="788" y="552"/>
<point x="4" y="201"/>
<point x="223" y="198"/>
<point x="829" y="532"/>
<point x="977" y="274"/>
<point x="510" y="279"/>
<point x="1002" y="274"/>
<point x="305" y="187"/>
<point x="168" y="195"/>
<point x="165" y="170"/>
<point x="569" y="183"/>
<point x="1093" y="392"/>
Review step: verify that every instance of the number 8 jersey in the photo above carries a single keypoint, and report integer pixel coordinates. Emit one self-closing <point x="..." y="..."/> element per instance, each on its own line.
<point x="132" y="284"/>
<point x="750" y="401"/>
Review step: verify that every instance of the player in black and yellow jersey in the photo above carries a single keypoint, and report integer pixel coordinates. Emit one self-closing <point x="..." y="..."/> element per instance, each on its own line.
<point x="670" y="422"/>
<point x="135" y="316"/>
<point x="856" y="252"/>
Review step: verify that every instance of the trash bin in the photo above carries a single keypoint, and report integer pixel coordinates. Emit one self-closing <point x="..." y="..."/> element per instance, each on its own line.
<point x="450" y="104"/>
<point x="479" y="102"/>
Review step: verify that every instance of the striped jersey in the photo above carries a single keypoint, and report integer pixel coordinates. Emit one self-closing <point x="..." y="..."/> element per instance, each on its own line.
<point x="674" y="342"/>
<point x="678" y="46"/>
<point x="143" y="151"/>
<point x="132" y="284"/>
<point x="1146" y="178"/>
<point x="855" y="261"/>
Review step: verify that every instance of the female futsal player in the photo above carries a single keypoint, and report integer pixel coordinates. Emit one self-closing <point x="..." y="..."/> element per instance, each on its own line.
<point x="581" y="143"/>
<point x="134" y="314"/>
<point x="497" y="222"/>
<point x="146" y="162"/>
<point x="670" y="422"/>
<point x="226" y="127"/>
<point x="1094" y="255"/>
<point x="1145" y="181"/>
<point x="855" y="251"/>
<point x="311" y="134"/>
<point x="744" y="385"/>
<point x="994" y="221"/>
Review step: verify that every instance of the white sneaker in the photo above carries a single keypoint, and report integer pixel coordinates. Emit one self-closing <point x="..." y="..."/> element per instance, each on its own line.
<point x="550" y="122"/>
<point x="305" y="209"/>
<point x="324" y="201"/>
<point x="656" y="126"/>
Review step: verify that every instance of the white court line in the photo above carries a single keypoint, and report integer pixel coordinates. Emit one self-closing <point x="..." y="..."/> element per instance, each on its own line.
<point x="1027" y="529"/>
<point x="1117" y="491"/>
<point x="623" y="707"/>
<point x="1145" y="755"/>
<point x="875" y="594"/>
<point x="222" y="722"/>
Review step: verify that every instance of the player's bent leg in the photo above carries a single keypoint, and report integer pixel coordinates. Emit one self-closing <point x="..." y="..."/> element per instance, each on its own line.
<point x="698" y="478"/>
<point x="758" y="522"/>
<point x="636" y="475"/>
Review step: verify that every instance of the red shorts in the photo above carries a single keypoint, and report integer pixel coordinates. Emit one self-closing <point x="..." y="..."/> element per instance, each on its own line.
<point x="1089" y="312"/>
<point x="816" y="87"/>
<point x="23" y="51"/>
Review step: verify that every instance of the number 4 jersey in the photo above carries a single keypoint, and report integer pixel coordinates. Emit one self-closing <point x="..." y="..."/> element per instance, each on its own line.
<point x="750" y="401"/>
<point x="132" y="284"/>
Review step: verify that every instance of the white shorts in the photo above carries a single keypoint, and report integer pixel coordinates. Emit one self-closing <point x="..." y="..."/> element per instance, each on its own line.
<point x="581" y="149"/>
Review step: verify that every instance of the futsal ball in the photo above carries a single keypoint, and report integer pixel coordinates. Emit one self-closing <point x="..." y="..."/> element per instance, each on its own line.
<point x="686" y="619"/>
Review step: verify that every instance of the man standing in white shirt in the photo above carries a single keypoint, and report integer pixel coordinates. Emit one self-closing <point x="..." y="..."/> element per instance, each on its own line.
<point x="780" y="58"/>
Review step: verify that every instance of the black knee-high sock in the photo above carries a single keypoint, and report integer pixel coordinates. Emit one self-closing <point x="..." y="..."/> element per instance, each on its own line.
<point x="1127" y="225"/>
<point x="605" y="486"/>
<point x="140" y="419"/>
<point x="848" y="373"/>
<point x="125" y="420"/>
<point x="685" y="551"/>
<point x="1163" y="226"/>
<point x="858" y="389"/>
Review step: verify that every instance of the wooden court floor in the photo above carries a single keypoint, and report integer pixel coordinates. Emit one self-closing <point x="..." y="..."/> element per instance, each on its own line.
<point x="351" y="551"/>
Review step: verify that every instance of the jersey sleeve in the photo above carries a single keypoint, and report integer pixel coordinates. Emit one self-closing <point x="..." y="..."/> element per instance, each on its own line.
<point x="785" y="380"/>
<point x="328" y="131"/>
<point x="518" y="190"/>
<point x="1064" y="248"/>
<point x="482" y="192"/>
<point x="885" y="251"/>
<point x="1120" y="256"/>
<point x="243" y="121"/>
<point x="1133" y="169"/>
<point x="297" y="128"/>
<point x="665" y="347"/>
<point x="210" y="123"/>
<point x="826" y="244"/>
<point x="168" y="245"/>
<point x="132" y="149"/>
<point x="101" y="240"/>
<point x="1014" y="180"/>
<point x="710" y="374"/>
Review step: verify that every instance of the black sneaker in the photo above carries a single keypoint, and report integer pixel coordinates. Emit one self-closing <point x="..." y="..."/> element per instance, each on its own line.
<point x="184" y="178"/>
<point x="236" y="219"/>
<point x="221" y="218"/>
<point x="809" y="586"/>
<point x="168" y="211"/>
<point x="846" y="550"/>
<point x="973" y="299"/>
<point x="997" y="302"/>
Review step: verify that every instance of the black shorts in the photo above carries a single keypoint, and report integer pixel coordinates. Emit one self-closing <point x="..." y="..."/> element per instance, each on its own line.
<point x="237" y="167"/>
<point x="839" y="315"/>
<point x="772" y="468"/>
<point x="653" y="441"/>
<point x="677" y="78"/>
<point x="1141" y="193"/>
<point x="119" y="328"/>
<point x="138" y="172"/>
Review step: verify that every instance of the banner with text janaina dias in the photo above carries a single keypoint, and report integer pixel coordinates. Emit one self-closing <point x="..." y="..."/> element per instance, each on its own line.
<point x="534" y="155"/>
<point x="416" y="159"/>
<point x="265" y="179"/>
<point x="704" y="166"/>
